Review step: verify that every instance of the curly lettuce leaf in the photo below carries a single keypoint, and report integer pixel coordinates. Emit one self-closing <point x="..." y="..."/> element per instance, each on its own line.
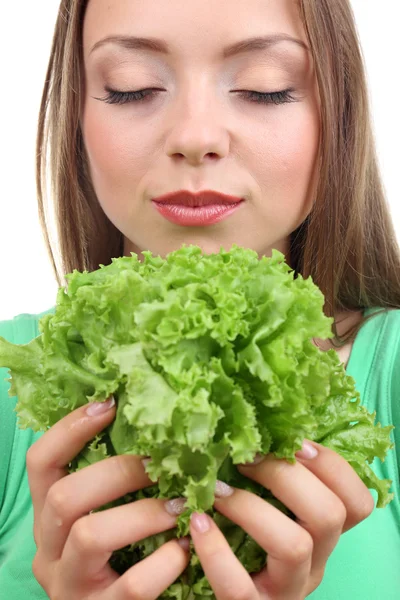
<point x="210" y="360"/>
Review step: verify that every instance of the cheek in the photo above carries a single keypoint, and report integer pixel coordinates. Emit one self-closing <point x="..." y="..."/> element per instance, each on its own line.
<point x="116" y="157"/>
<point x="287" y="155"/>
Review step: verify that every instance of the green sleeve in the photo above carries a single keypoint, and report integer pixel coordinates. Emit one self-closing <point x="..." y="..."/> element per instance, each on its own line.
<point x="395" y="395"/>
<point x="17" y="545"/>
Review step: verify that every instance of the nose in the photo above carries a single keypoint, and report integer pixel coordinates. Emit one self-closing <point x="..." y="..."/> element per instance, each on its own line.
<point x="198" y="132"/>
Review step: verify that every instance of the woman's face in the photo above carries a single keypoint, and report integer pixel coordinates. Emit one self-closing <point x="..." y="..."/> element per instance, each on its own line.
<point x="199" y="130"/>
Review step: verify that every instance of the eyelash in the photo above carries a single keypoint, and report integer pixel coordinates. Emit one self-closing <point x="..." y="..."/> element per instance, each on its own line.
<point x="115" y="97"/>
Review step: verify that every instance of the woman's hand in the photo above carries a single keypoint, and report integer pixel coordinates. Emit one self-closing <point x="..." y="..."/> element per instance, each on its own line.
<point x="327" y="497"/>
<point x="73" y="546"/>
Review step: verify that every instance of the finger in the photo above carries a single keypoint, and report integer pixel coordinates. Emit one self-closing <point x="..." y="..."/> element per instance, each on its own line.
<point x="288" y="545"/>
<point x="47" y="458"/>
<point x="77" y="494"/>
<point x="94" y="537"/>
<point x="317" y="508"/>
<point x="148" y="579"/>
<point x="225" y="573"/>
<point x="339" y="476"/>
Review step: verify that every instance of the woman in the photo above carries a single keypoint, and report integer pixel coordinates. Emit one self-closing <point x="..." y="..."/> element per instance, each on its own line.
<point x="282" y="124"/>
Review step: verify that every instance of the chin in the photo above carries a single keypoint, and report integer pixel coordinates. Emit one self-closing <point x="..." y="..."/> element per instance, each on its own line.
<point x="208" y="246"/>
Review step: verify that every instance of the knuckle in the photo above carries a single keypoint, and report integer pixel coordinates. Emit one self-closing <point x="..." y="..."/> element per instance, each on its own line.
<point x="131" y="588"/>
<point x="57" y="592"/>
<point x="38" y="570"/>
<point x="125" y="465"/>
<point x="315" y="579"/>
<point x="360" y="511"/>
<point x="245" y="592"/>
<point x="213" y="550"/>
<point x="281" y="471"/>
<point x="83" y="535"/>
<point x="366" y="507"/>
<point x="32" y="459"/>
<point x="277" y="473"/>
<point x="58" y="499"/>
<point x="301" y="551"/>
<point x="335" y="518"/>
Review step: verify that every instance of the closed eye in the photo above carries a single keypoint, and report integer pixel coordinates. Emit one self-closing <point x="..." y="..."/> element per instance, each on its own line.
<point x="117" y="97"/>
<point x="282" y="97"/>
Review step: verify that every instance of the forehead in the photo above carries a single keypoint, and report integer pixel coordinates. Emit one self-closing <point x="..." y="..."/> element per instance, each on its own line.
<point x="194" y="27"/>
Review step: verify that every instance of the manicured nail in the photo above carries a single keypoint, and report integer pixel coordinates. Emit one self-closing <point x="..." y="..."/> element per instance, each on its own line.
<point x="201" y="522"/>
<point x="145" y="462"/>
<point x="98" y="408"/>
<point x="308" y="451"/>
<point x="222" y="489"/>
<point x="185" y="543"/>
<point x="257" y="459"/>
<point x="176" y="506"/>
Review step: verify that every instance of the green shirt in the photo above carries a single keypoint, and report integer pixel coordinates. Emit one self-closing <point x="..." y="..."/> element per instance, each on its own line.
<point x="365" y="564"/>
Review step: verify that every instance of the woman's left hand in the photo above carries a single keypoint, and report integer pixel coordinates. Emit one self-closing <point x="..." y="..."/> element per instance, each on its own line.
<point x="327" y="497"/>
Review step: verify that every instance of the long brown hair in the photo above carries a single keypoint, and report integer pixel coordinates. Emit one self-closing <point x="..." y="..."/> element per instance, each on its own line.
<point x="347" y="244"/>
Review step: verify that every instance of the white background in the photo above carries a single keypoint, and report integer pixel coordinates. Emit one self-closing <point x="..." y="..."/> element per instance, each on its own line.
<point x="26" y="30"/>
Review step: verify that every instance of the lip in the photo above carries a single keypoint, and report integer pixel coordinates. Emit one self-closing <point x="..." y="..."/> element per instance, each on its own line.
<point x="202" y="198"/>
<point x="196" y="217"/>
<point x="196" y="209"/>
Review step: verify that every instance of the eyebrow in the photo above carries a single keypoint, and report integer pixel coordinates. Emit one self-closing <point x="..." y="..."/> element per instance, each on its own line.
<point x="160" y="46"/>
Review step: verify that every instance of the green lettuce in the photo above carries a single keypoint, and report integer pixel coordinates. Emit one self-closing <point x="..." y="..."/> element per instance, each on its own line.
<point x="210" y="360"/>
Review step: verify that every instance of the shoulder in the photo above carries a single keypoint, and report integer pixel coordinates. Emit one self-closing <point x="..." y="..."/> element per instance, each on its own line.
<point x="387" y="364"/>
<point x="17" y="547"/>
<point x="19" y="330"/>
<point x="382" y="331"/>
<point x="392" y="341"/>
<point x="22" y="328"/>
<point x="393" y="317"/>
<point x="384" y="324"/>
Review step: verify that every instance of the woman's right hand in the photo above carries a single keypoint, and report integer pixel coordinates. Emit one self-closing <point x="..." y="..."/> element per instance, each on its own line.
<point x="74" y="546"/>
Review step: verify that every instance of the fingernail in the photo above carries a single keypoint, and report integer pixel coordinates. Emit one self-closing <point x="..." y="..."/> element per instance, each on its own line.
<point x="185" y="543"/>
<point x="176" y="506"/>
<point x="98" y="408"/>
<point x="222" y="489"/>
<point x="257" y="459"/>
<point x="308" y="451"/>
<point x="201" y="522"/>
